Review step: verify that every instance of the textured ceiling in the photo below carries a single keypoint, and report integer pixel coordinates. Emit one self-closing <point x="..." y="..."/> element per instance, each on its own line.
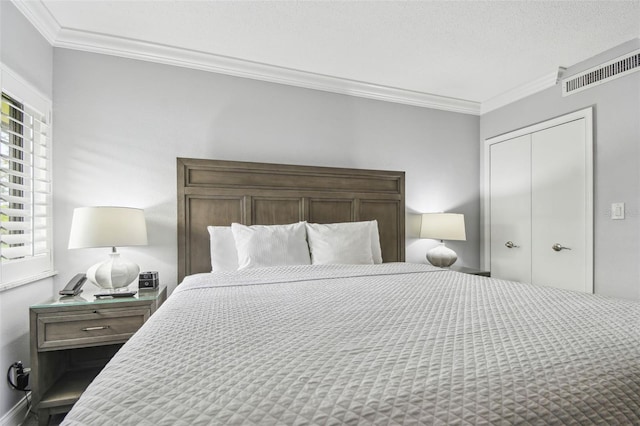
<point x="472" y="50"/>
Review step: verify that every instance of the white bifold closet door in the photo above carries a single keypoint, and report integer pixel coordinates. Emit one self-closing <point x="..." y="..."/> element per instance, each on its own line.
<point x="539" y="208"/>
<point x="558" y="200"/>
<point x="511" y="209"/>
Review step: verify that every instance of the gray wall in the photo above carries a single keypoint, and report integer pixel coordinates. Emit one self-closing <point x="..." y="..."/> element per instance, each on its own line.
<point x="24" y="50"/>
<point x="119" y="125"/>
<point x="616" y="169"/>
<point x="29" y="55"/>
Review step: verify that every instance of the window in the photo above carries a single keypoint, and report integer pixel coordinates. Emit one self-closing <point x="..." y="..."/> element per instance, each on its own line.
<point x="25" y="183"/>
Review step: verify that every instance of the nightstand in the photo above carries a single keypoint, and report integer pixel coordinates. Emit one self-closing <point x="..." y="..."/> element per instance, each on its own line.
<point x="73" y="338"/>
<point x="471" y="271"/>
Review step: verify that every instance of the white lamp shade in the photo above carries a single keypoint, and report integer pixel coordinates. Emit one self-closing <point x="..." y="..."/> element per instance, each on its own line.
<point x="107" y="227"/>
<point x="443" y="226"/>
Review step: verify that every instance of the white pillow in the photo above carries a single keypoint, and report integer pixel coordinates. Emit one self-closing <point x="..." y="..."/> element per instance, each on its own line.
<point x="344" y="243"/>
<point x="376" y="250"/>
<point x="224" y="256"/>
<point x="271" y="245"/>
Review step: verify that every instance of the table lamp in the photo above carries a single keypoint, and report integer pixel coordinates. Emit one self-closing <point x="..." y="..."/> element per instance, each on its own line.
<point x="442" y="226"/>
<point x="109" y="227"/>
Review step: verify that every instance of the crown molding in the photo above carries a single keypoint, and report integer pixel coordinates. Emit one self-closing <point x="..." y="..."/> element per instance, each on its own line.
<point x="520" y="92"/>
<point x="40" y="17"/>
<point x="153" y="52"/>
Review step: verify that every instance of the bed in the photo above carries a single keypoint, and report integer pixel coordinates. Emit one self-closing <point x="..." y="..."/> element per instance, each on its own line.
<point x="386" y="343"/>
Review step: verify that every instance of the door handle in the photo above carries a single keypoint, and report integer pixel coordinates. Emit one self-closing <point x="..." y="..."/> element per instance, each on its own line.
<point x="509" y="244"/>
<point x="558" y="247"/>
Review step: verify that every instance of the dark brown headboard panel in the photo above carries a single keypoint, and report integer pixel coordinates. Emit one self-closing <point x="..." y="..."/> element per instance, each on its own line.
<point x="213" y="192"/>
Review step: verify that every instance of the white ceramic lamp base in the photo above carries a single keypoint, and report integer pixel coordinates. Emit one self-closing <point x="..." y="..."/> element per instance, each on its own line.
<point x="113" y="274"/>
<point x="442" y="256"/>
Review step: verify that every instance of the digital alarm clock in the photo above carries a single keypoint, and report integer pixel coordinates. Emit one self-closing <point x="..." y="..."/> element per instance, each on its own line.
<point x="148" y="280"/>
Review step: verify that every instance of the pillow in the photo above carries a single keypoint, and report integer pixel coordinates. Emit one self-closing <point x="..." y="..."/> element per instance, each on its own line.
<point x="224" y="256"/>
<point x="271" y="245"/>
<point x="376" y="250"/>
<point x="345" y="243"/>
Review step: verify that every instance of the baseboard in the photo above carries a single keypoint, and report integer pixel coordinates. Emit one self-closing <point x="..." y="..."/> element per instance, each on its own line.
<point x="17" y="414"/>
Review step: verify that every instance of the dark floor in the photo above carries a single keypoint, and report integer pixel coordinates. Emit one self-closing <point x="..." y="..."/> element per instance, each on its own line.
<point x="32" y="420"/>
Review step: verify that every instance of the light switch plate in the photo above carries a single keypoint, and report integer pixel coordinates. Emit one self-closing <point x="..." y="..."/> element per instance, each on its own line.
<point x="617" y="211"/>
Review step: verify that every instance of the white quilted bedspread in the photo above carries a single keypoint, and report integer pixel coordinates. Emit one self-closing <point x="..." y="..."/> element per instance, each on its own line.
<point x="382" y="344"/>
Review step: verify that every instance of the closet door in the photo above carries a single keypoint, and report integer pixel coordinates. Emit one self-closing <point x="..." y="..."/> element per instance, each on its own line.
<point x="510" y="198"/>
<point x="559" y="206"/>
<point x="541" y="203"/>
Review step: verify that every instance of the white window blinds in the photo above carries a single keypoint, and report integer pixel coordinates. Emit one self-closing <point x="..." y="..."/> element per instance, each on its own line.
<point x="25" y="187"/>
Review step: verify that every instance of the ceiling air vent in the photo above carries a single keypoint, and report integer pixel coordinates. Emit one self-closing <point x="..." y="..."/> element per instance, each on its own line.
<point x="608" y="71"/>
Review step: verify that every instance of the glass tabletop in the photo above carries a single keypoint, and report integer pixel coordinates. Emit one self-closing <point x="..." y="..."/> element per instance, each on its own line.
<point x="87" y="296"/>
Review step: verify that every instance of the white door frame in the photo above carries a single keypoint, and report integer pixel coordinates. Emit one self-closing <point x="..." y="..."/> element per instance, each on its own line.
<point x="587" y="115"/>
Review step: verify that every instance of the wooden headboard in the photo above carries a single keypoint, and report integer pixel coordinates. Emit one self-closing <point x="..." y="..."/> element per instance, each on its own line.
<point x="213" y="192"/>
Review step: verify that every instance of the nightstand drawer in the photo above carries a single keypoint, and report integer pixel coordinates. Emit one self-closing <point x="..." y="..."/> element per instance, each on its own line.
<point x="86" y="328"/>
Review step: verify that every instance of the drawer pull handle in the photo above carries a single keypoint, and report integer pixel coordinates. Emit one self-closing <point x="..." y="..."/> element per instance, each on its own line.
<point x="102" y="327"/>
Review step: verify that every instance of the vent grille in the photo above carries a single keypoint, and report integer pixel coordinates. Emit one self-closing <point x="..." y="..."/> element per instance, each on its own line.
<point x="608" y="71"/>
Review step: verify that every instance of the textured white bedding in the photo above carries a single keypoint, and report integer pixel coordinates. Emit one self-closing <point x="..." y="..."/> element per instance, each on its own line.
<point x="374" y="344"/>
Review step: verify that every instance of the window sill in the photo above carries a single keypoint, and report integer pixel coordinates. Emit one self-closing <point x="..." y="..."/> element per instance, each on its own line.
<point x="18" y="283"/>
